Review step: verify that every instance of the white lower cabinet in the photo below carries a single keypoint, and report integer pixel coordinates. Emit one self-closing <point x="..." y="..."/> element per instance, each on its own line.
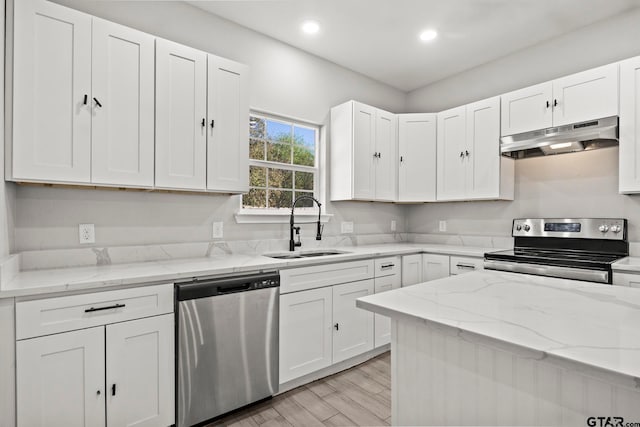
<point x="114" y="374"/>
<point x="626" y="279"/>
<point x="411" y="269"/>
<point x="434" y="267"/>
<point x="305" y="332"/>
<point x="463" y="264"/>
<point x="352" y="327"/>
<point x="382" y="324"/>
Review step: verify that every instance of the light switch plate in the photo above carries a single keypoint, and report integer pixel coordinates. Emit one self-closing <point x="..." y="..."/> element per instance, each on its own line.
<point x="217" y="231"/>
<point x="347" y="227"/>
<point x="393" y="225"/>
<point x="86" y="233"/>
<point x="442" y="226"/>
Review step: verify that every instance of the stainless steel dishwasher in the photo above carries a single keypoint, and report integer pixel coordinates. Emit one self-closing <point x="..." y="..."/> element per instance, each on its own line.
<point x="227" y="352"/>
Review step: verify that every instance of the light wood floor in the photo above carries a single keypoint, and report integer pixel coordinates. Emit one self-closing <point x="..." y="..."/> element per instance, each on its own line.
<point x="360" y="396"/>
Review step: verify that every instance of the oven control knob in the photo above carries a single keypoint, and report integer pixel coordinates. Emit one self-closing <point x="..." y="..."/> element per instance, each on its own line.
<point x="604" y="228"/>
<point x="518" y="227"/>
<point x="526" y="227"/>
<point x="616" y="228"/>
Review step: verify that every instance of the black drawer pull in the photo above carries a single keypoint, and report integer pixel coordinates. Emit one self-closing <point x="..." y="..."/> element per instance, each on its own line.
<point x="387" y="266"/>
<point x="472" y="267"/>
<point x="109" y="307"/>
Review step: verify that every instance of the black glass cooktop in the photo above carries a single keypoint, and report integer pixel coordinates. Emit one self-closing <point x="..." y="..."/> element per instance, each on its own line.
<point x="568" y="258"/>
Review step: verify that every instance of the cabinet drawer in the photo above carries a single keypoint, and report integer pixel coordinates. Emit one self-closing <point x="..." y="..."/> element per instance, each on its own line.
<point x="626" y="279"/>
<point x="299" y="279"/>
<point x="54" y="315"/>
<point x="387" y="266"/>
<point x="461" y="264"/>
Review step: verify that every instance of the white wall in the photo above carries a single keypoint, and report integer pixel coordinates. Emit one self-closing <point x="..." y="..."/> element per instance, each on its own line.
<point x="283" y="79"/>
<point x="598" y="44"/>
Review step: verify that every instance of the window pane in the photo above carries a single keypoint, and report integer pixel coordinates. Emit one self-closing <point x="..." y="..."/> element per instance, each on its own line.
<point x="257" y="176"/>
<point x="256" y="127"/>
<point x="279" y="153"/>
<point x="280" y="199"/>
<point x="302" y="156"/>
<point x="256" y="149"/>
<point x="304" y="181"/>
<point x="305" y="146"/>
<point x="304" y="203"/>
<point x="280" y="178"/>
<point x="278" y="131"/>
<point x="256" y="198"/>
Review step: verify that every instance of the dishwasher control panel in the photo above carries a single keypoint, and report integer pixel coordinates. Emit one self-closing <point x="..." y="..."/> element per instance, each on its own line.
<point x="214" y="286"/>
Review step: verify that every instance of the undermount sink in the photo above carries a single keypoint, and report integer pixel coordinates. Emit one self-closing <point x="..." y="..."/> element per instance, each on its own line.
<point x="310" y="254"/>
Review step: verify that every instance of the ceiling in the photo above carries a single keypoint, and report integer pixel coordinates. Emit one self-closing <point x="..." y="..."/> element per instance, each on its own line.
<point x="379" y="38"/>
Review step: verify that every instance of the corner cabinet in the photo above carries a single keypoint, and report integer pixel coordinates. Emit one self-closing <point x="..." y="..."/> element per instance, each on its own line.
<point x="469" y="165"/>
<point x="417" y="155"/>
<point x="363" y="153"/>
<point x="629" y="181"/>
<point x="591" y="94"/>
<point x="116" y="371"/>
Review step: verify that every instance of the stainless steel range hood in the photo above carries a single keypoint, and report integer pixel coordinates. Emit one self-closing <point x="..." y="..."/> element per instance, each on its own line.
<point x="562" y="139"/>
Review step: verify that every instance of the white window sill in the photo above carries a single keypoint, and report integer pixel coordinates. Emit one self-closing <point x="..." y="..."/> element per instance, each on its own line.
<point x="249" y="216"/>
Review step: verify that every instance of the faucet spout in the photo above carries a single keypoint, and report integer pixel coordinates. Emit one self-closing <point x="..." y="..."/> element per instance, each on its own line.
<point x="292" y="243"/>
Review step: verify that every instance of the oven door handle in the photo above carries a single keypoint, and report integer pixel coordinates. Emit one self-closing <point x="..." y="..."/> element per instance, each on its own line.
<point x="549" y="270"/>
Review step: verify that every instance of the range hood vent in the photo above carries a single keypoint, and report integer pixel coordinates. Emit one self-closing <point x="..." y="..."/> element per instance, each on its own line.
<point x="582" y="136"/>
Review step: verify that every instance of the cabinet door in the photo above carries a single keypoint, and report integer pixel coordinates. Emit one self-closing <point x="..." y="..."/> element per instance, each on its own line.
<point x="51" y="78"/>
<point x="382" y="324"/>
<point x="483" y="148"/>
<point x="411" y="269"/>
<point x="451" y="154"/>
<point x="461" y="265"/>
<point x="527" y="109"/>
<point x="352" y="326"/>
<point x="305" y="332"/>
<point x="591" y="94"/>
<point x="385" y="163"/>
<point x="123" y="123"/>
<point x="181" y="140"/>
<point x="364" y="148"/>
<point x="140" y="372"/>
<point x="417" y="157"/>
<point x="60" y="379"/>
<point x="434" y="267"/>
<point x="228" y="126"/>
<point x="630" y="125"/>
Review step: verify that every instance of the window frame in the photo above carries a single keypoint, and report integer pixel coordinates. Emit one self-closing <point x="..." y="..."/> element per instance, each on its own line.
<point x="281" y="215"/>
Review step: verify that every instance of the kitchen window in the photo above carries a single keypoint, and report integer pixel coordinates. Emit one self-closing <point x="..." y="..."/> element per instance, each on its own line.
<point x="283" y="164"/>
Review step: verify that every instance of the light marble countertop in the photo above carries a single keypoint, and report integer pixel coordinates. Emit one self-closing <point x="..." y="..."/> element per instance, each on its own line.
<point x="40" y="282"/>
<point x="629" y="264"/>
<point x="596" y="325"/>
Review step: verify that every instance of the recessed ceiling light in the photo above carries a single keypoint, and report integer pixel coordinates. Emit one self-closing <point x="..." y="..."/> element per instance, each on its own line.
<point x="428" y="35"/>
<point x="310" y="27"/>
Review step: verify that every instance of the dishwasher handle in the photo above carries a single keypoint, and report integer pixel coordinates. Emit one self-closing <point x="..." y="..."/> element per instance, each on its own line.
<point x="229" y="289"/>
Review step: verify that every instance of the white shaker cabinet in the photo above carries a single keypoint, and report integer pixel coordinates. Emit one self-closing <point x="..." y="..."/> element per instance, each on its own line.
<point x="451" y="158"/>
<point x="434" y="266"/>
<point x="352" y="327"/>
<point x="411" y="269"/>
<point x="363" y="153"/>
<point x="60" y="380"/>
<point x="228" y="126"/>
<point x="591" y="94"/>
<point x="305" y="332"/>
<point x="629" y="181"/>
<point x="417" y="157"/>
<point x="51" y="127"/>
<point x="181" y="117"/>
<point x="382" y="324"/>
<point x="123" y="92"/>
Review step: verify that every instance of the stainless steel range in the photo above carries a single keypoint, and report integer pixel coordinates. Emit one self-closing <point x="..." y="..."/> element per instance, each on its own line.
<point x="570" y="248"/>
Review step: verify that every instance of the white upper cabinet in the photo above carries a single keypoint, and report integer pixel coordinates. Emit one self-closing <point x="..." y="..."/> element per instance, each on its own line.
<point x="452" y="145"/>
<point x="51" y="137"/>
<point x="417" y="157"/>
<point x="630" y="126"/>
<point x="363" y="153"/>
<point x="228" y="126"/>
<point x="469" y="163"/>
<point x="591" y="94"/>
<point x="122" y="105"/>
<point x="181" y="111"/>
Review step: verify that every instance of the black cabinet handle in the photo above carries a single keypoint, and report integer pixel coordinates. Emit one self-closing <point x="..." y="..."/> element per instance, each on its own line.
<point x="97" y="102"/>
<point x="466" y="153"/>
<point x="337" y="326"/>
<point x="204" y="122"/>
<point x="109" y="307"/>
<point x="387" y="266"/>
<point x="212" y="123"/>
<point x="548" y="105"/>
<point x="113" y="390"/>
<point x="98" y="392"/>
<point x="401" y="159"/>
<point x="461" y="154"/>
<point x="85" y="99"/>
<point x="471" y="267"/>
<point x="555" y="102"/>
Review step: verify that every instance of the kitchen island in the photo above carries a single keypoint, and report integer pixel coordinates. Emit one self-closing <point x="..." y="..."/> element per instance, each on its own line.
<point x="494" y="348"/>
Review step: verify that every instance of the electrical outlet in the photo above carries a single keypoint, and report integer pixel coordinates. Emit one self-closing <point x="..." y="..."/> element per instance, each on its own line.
<point x="86" y="233"/>
<point x="217" y="231"/>
<point x="443" y="226"/>
<point x="347" y="227"/>
<point x="393" y="225"/>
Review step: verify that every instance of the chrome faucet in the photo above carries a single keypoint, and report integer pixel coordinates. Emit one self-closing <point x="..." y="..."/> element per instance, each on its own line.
<point x="292" y="243"/>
